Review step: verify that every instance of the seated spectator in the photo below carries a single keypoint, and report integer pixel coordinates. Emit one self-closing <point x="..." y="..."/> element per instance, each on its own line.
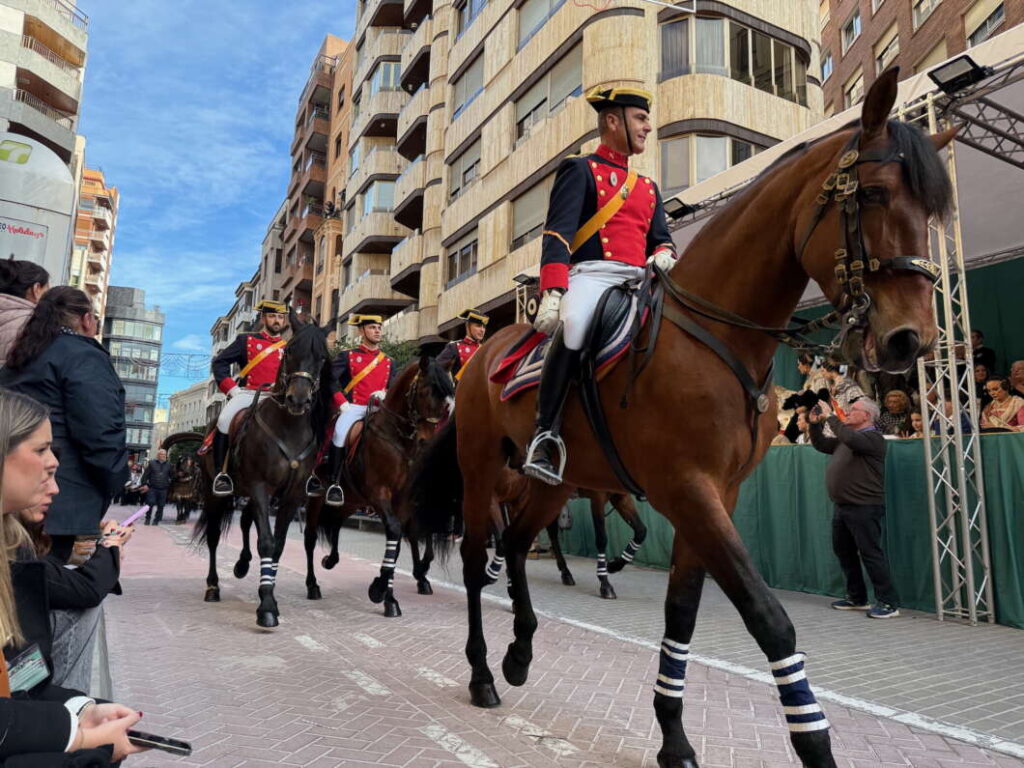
<point x="844" y="390"/>
<point x="22" y="283"/>
<point x="982" y="354"/>
<point x="57" y="361"/>
<point x="1017" y="378"/>
<point x="896" y="416"/>
<point x="1006" y="411"/>
<point x="947" y="408"/>
<point x="804" y="426"/>
<point x="42" y="724"/>
<point x="814" y="377"/>
<point x="981" y="375"/>
<point x="916" y="428"/>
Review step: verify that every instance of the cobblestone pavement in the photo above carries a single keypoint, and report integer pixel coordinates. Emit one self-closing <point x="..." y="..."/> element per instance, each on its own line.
<point x="337" y="684"/>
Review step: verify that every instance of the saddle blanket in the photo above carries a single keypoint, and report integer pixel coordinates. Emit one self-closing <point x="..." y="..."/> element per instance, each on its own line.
<point x="520" y="369"/>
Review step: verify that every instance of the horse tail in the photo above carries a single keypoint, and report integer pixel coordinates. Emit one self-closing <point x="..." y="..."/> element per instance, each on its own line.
<point x="216" y="514"/>
<point x="436" y="490"/>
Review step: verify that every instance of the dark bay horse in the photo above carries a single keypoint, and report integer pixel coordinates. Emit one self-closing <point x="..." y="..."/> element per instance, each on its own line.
<point x="271" y="458"/>
<point x="186" y="490"/>
<point x="418" y="399"/>
<point x="692" y="432"/>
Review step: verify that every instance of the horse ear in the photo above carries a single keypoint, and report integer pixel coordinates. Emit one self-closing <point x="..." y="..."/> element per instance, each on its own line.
<point x="294" y="320"/>
<point x="330" y="325"/>
<point x="878" y="103"/>
<point x="941" y="139"/>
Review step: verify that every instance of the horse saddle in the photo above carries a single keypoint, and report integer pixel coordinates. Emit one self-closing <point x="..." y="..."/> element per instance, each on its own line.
<point x="621" y="314"/>
<point x="236" y="425"/>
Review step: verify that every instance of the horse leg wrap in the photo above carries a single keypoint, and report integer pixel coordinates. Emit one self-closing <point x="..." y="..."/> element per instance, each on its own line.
<point x="494" y="568"/>
<point x="268" y="572"/>
<point x="630" y="551"/>
<point x="602" y="566"/>
<point x="390" y="555"/>
<point x="803" y="713"/>
<point x="672" y="669"/>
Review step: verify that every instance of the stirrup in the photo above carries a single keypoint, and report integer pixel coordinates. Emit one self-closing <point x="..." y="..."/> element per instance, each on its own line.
<point x="335" y="496"/>
<point x="227" y="487"/>
<point x="532" y="468"/>
<point x="314" y="488"/>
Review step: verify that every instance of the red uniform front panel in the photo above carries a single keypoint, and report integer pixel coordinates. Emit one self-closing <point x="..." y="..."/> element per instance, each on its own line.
<point x="375" y="380"/>
<point x="624" y="237"/>
<point x="467" y="347"/>
<point x="265" y="372"/>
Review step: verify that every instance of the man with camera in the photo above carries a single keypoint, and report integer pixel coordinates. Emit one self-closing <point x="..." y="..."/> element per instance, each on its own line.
<point x="855" y="480"/>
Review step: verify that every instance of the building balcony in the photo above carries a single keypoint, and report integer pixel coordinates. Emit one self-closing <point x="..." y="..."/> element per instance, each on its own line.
<point x="371" y="293"/>
<point x="380" y="43"/>
<point x="100" y="239"/>
<point x="378" y="114"/>
<point x="313" y="176"/>
<point x="34" y="56"/>
<point x="415" y="67"/>
<point x="62" y="18"/>
<point x="305" y="223"/>
<point x="102" y="217"/>
<point x="319" y="84"/>
<point x="415" y="11"/>
<point x="299" y="274"/>
<point x="406" y="263"/>
<point x="380" y="163"/>
<point x="376" y="232"/>
<point x="411" y="127"/>
<point x="50" y="125"/>
<point x="312" y="134"/>
<point x="405" y="326"/>
<point x="382" y="13"/>
<point x="96" y="259"/>
<point x="409" y="190"/>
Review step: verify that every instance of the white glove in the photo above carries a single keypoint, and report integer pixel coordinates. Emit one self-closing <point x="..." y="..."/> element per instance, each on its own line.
<point x="378" y="397"/>
<point x="233" y="391"/>
<point x="546" y="320"/>
<point x="663" y="259"/>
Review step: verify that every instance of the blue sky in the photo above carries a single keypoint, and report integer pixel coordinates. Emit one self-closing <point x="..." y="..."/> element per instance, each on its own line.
<point x="189" y="109"/>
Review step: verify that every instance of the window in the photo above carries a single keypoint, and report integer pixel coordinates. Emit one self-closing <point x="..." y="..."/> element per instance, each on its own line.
<point x="876" y="4"/>
<point x="350" y="217"/>
<point x="461" y="259"/>
<point x="675" y="48"/>
<point x="277" y="261"/>
<point x="135" y="352"/>
<point x="335" y="302"/>
<point x="548" y="94"/>
<point x="692" y="158"/>
<point x="528" y="213"/>
<point x="935" y="56"/>
<point x="853" y="91"/>
<point x="318" y="307"/>
<point x="379" y="197"/>
<point x="337" y="147"/>
<point x="532" y="15"/>
<point x="341" y="99"/>
<point x="827" y="65"/>
<point x="851" y="30"/>
<point x="469" y="85"/>
<point x="385" y="77"/>
<point x="355" y="107"/>
<point x="761" y="49"/>
<point x="712" y="156"/>
<point x="136" y="329"/>
<point x="739" y="53"/>
<point x="922" y="10"/>
<point x="823" y="13"/>
<point x="138" y="436"/>
<point x="468" y="12"/>
<point x="886" y="49"/>
<point x="710" y="37"/>
<point x="126" y="369"/>
<point x="353" y="159"/>
<point x="675" y="164"/>
<point x="984" y="17"/>
<point x="346" y="274"/>
<point x="464" y="170"/>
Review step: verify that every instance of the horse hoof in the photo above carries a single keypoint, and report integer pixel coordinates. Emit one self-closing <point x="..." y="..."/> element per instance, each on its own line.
<point x="616" y="565"/>
<point x="608" y="591"/>
<point x="391" y="610"/>
<point x="484" y="695"/>
<point x="665" y="761"/>
<point x="567" y="579"/>
<point x="313" y="592"/>
<point x="378" y="588"/>
<point x="266" y="619"/>
<point x="212" y="595"/>
<point x="329" y="562"/>
<point x="515" y="670"/>
<point x="423" y="587"/>
<point x="241" y="569"/>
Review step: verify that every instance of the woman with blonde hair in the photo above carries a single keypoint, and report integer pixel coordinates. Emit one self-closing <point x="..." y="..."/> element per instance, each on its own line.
<point x="41" y="723"/>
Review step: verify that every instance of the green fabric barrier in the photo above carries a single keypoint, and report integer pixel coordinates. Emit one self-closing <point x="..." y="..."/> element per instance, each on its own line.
<point x="784" y="516"/>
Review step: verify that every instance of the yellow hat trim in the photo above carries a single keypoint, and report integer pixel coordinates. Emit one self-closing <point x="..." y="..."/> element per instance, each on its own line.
<point x="599" y="93"/>
<point x="362" y="319"/>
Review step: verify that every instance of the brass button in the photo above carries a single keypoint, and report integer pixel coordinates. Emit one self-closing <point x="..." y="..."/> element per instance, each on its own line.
<point x="601" y="191"/>
<point x="652" y="205"/>
<point x="651" y="190"/>
<point x="593" y="164"/>
<point x="604" y="239"/>
<point x="599" y="177"/>
<point x="607" y="254"/>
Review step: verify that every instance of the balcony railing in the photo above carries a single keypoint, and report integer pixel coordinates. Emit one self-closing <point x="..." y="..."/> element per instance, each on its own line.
<point x="71" y="13"/>
<point x="318" y="114"/>
<point x="312" y="208"/>
<point x="315" y="159"/>
<point x="27" y="41"/>
<point x="62" y="119"/>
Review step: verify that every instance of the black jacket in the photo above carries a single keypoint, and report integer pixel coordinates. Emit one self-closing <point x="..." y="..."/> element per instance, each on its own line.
<point x="856" y="472"/>
<point x="74" y="378"/>
<point x="157" y="475"/>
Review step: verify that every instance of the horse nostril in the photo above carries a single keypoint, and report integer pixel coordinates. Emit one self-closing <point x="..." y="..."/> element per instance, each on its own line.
<point x="903" y="344"/>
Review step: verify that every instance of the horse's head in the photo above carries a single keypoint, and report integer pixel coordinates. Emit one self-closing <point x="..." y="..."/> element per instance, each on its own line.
<point x="865" y="240"/>
<point x="432" y="396"/>
<point x="304" y="357"/>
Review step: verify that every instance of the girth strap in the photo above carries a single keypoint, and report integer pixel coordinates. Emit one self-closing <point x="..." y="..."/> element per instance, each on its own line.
<point x="293" y="461"/>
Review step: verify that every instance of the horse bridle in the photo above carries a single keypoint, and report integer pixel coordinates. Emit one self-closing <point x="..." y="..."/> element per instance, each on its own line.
<point x="414" y="417"/>
<point x="852" y="261"/>
<point x="314" y="384"/>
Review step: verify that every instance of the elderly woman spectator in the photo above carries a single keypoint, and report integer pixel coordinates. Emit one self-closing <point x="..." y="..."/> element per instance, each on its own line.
<point x="896" y="416"/>
<point x="1006" y="411"/>
<point x="57" y="361"/>
<point x="1017" y="378"/>
<point x="22" y="284"/>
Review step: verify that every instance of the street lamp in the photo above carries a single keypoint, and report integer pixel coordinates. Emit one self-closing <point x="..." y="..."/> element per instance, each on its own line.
<point x="959" y="74"/>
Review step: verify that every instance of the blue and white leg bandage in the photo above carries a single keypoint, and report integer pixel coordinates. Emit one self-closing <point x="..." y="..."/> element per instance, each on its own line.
<point x="268" y="572"/>
<point x="602" y="566"/>
<point x="494" y="568"/>
<point x="803" y="713"/>
<point x="630" y="551"/>
<point x="672" y="669"/>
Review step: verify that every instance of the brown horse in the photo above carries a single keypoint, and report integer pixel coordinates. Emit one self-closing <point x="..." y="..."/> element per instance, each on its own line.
<point x="692" y="432"/>
<point x="272" y="457"/>
<point x="418" y="399"/>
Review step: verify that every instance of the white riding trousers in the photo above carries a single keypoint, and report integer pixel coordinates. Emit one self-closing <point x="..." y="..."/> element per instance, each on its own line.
<point x="237" y="402"/>
<point x="587" y="283"/>
<point x="349" y="415"/>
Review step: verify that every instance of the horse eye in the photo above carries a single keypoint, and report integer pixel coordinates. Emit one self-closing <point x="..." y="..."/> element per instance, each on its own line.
<point x="875" y="195"/>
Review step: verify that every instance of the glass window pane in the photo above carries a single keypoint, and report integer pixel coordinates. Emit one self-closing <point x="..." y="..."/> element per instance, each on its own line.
<point x="739" y="53"/>
<point x="741" y="150"/>
<point x="762" y="61"/>
<point x="675" y="164"/>
<point x="711" y="46"/>
<point x="531" y="16"/>
<point x="711" y="156"/>
<point x="566" y="77"/>
<point x="675" y="48"/>
<point x="784" y="71"/>
<point x="529" y="100"/>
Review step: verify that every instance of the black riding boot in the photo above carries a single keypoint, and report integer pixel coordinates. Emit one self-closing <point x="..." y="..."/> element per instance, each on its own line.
<point x="222" y="485"/>
<point x="335" y="495"/>
<point x="545" y="456"/>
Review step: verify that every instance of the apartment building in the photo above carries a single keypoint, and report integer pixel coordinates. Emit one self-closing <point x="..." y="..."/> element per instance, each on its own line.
<point x="271" y="271"/>
<point x="861" y="38"/>
<point x="309" y="175"/>
<point x="95" y="227"/>
<point x="241" y="318"/>
<point x="187" y="409"/>
<point x="463" y="111"/>
<point x="42" y="67"/>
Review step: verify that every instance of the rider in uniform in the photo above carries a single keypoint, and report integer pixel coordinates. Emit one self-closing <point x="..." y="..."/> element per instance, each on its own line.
<point x="458" y="353"/>
<point x="363" y="374"/>
<point x="258" y="356"/>
<point x="604" y="225"/>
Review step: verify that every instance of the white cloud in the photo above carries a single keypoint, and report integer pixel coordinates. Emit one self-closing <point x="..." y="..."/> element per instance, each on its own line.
<point x="192" y="343"/>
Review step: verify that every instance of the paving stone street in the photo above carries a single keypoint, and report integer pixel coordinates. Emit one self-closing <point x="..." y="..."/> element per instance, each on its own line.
<point x="337" y="684"/>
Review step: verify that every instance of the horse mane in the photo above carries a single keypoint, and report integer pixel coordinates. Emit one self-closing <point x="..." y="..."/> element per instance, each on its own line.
<point x="440" y="380"/>
<point x="310" y="340"/>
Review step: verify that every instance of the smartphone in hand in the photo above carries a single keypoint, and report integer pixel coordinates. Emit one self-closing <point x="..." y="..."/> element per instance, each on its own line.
<point x="152" y="741"/>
